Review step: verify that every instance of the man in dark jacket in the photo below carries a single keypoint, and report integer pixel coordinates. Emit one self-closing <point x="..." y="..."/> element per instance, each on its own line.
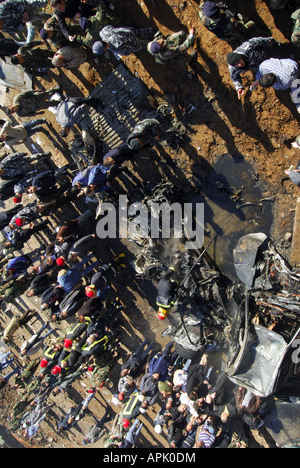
<point x="166" y="294"/>
<point x="35" y="60"/>
<point x="72" y="9"/>
<point x="149" y="387"/>
<point x="42" y="183"/>
<point x="250" y="54"/>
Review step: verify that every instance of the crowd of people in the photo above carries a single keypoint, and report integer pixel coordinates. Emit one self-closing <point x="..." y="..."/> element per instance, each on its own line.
<point x="72" y="285"/>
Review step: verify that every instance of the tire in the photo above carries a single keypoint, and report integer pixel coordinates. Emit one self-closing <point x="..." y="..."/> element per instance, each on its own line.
<point x="184" y="352"/>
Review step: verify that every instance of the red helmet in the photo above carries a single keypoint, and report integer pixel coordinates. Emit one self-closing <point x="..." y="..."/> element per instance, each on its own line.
<point x="126" y="423"/>
<point x="60" y="261"/>
<point x="19" y="222"/>
<point x="56" y="370"/>
<point x="68" y="343"/>
<point x="17" y="199"/>
<point x="90" y="291"/>
<point x="44" y="363"/>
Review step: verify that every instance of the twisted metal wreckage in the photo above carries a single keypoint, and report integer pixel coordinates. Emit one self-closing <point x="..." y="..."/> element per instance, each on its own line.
<point x="254" y="317"/>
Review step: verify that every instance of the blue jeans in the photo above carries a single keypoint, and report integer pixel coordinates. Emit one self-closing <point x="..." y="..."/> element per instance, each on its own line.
<point x="79" y="266"/>
<point x="132" y="436"/>
<point x="33" y="126"/>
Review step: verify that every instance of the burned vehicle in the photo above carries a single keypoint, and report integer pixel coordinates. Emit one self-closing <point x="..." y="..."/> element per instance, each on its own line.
<point x="199" y="316"/>
<point x="264" y="336"/>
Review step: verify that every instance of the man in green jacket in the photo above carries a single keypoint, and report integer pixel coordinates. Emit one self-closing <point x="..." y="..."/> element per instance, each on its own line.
<point x="167" y="48"/>
<point x="93" y="25"/>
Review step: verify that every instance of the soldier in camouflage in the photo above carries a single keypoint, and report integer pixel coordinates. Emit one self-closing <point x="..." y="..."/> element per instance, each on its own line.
<point x="93" y="25"/>
<point x="32" y="101"/>
<point x="14" y="288"/>
<point x="146" y="132"/>
<point x="17" y="165"/>
<point x="221" y="21"/>
<point x="14" y="14"/>
<point x="295" y="38"/>
<point x="51" y="32"/>
<point x="35" y="60"/>
<point x="168" y="48"/>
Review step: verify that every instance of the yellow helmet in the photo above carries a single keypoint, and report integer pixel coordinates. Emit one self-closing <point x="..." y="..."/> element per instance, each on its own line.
<point x="162" y="313"/>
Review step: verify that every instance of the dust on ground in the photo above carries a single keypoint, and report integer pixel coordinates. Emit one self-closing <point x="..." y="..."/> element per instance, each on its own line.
<point x="258" y="129"/>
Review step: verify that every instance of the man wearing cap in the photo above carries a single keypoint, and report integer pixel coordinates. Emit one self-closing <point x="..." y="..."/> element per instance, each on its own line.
<point x="225" y="24"/>
<point x="93" y="25"/>
<point x="166" y="294"/>
<point x="100" y="282"/>
<point x="25" y="216"/>
<point x="51" y="355"/>
<point x="97" y="180"/>
<point x="250" y="54"/>
<point x="146" y="132"/>
<point x="16" y="238"/>
<point x="166" y="48"/>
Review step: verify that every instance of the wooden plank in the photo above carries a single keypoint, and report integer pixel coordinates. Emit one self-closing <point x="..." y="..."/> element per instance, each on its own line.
<point x="295" y="251"/>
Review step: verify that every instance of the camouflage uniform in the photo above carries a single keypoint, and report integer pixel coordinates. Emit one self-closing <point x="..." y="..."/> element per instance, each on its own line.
<point x="11" y="12"/>
<point x="15" y="288"/>
<point x="175" y="45"/>
<point x="126" y="40"/>
<point x="228" y="26"/>
<point x="19" y="410"/>
<point x="15" y="165"/>
<point x="97" y="23"/>
<point x="58" y="39"/>
<point x="36" y="59"/>
<point x="117" y="433"/>
<point x="30" y="102"/>
<point x="104" y="363"/>
<point x="295" y="38"/>
<point x="146" y="131"/>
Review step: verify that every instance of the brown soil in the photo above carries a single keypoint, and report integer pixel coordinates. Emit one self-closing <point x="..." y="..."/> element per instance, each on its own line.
<point x="259" y="129"/>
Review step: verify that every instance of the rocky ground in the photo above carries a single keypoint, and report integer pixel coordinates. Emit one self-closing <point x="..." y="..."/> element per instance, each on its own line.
<point x="257" y="131"/>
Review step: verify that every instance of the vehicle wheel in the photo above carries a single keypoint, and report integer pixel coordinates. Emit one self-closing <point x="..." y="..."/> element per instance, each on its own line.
<point x="184" y="352"/>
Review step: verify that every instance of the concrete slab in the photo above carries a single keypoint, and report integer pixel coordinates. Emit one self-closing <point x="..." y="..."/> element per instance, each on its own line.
<point x="295" y="251"/>
<point x="13" y="76"/>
